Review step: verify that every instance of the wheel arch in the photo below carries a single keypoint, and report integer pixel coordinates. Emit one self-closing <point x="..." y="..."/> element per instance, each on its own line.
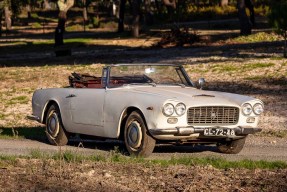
<point x="124" y="117"/>
<point x="46" y="108"/>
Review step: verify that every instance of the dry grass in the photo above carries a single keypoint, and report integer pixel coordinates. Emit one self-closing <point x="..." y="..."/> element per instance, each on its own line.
<point x="18" y="84"/>
<point x="264" y="79"/>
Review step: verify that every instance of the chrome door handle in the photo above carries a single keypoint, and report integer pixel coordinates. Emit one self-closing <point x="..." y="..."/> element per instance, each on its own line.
<point x="71" y="95"/>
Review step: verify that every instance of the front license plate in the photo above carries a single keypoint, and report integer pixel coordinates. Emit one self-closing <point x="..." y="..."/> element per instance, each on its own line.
<point x="218" y="132"/>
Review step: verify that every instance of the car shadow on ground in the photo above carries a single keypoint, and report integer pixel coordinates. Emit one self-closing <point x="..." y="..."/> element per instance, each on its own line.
<point x="38" y="134"/>
<point x="185" y="148"/>
<point x="116" y="145"/>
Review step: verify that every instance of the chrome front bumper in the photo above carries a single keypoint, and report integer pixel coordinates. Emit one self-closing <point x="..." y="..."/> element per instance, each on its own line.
<point x="186" y="131"/>
<point x="33" y="118"/>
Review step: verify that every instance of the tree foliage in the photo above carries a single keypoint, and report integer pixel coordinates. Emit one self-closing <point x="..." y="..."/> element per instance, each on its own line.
<point x="278" y="19"/>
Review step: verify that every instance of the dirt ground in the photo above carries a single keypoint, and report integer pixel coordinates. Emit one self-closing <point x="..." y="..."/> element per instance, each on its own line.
<point x="51" y="175"/>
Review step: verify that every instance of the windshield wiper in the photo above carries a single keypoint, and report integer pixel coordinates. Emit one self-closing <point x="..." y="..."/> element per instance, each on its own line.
<point x="179" y="84"/>
<point x="152" y="84"/>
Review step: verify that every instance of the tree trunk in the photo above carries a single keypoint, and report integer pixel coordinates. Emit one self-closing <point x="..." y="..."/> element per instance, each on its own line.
<point x="250" y="6"/>
<point x="285" y="44"/>
<point x="121" y="27"/>
<point x="171" y="6"/>
<point x="46" y="5"/>
<point x="245" y="25"/>
<point x="136" y="18"/>
<point x="158" y="7"/>
<point x="223" y="3"/>
<point x="169" y="3"/>
<point x="85" y="14"/>
<point x="148" y="14"/>
<point x="28" y="8"/>
<point x="59" y="32"/>
<point x="0" y="22"/>
<point x="8" y="21"/>
<point x="64" y="6"/>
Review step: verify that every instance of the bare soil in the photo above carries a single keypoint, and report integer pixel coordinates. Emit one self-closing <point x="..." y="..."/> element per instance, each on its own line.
<point x="51" y="175"/>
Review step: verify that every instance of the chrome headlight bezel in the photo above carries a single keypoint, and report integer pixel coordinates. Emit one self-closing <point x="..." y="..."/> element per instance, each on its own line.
<point x="168" y="109"/>
<point x="180" y="109"/>
<point x="256" y="107"/>
<point x="246" y="109"/>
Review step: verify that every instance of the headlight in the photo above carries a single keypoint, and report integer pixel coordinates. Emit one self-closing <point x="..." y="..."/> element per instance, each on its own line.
<point x="258" y="108"/>
<point x="246" y="109"/>
<point x="180" y="109"/>
<point x="168" y="109"/>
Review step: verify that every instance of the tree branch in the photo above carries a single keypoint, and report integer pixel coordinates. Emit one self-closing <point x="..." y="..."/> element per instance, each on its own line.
<point x="171" y="3"/>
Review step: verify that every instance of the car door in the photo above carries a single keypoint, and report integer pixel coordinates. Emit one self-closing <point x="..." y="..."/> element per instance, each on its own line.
<point x="86" y="108"/>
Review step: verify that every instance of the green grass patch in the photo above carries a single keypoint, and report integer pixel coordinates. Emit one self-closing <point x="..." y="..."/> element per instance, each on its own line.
<point x="224" y="68"/>
<point x="36" y="25"/>
<point x="79" y="40"/>
<point x="258" y="65"/>
<point x="108" y="25"/>
<point x="258" y="37"/>
<point x="34" y="15"/>
<point x="18" y="100"/>
<point x="67" y="156"/>
<point x="2" y="116"/>
<point x="76" y="27"/>
<point x="277" y="58"/>
<point x="43" y="42"/>
<point x="221" y="163"/>
<point x="239" y="68"/>
<point x="8" y="158"/>
<point x="216" y="162"/>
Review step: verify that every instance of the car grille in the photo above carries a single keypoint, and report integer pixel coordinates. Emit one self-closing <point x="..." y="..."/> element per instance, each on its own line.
<point x="212" y="115"/>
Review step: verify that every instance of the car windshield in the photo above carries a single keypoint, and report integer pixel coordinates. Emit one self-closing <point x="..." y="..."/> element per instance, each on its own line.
<point x="147" y="74"/>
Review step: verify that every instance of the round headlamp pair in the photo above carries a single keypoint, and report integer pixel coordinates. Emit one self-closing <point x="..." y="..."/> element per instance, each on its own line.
<point x="169" y="109"/>
<point x="257" y="109"/>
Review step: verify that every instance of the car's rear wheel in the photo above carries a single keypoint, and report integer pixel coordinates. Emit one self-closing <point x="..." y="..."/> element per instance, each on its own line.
<point x="231" y="147"/>
<point x="136" y="137"/>
<point x="54" y="128"/>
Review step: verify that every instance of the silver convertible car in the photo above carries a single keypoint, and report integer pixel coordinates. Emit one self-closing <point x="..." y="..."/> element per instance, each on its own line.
<point x="145" y="104"/>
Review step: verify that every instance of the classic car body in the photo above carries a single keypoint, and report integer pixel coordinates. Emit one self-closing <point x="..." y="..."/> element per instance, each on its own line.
<point x="145" y="103"/>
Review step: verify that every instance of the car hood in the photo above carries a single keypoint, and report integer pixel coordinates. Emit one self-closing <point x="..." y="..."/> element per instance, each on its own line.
<point x="193" y="96"/>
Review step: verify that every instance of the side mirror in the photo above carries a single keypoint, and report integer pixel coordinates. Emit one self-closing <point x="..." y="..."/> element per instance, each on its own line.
<point x="201" y="83"/>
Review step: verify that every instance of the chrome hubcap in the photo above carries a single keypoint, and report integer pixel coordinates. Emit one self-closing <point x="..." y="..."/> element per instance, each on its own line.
<point x="134" y="135"/>
<point x="53" y="125"/>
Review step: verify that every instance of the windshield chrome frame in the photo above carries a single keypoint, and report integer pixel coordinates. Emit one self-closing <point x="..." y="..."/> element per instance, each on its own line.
<point x="109" y="67"/>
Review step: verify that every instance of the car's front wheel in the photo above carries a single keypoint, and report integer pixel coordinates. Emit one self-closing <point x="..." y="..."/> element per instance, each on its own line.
<point x="231" y="147"/>
<point x="54" y="128"/>
<point x="136" y="137"/>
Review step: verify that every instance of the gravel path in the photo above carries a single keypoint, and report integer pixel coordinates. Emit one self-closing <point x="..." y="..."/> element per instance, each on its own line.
<point x="256" y="148"/>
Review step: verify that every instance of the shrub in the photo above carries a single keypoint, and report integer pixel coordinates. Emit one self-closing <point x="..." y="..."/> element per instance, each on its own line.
<point x="178" y="37"/>
<point x="96" y="22"/>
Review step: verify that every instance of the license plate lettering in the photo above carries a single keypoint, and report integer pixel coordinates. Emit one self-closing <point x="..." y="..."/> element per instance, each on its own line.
<point x="218" y="132"/>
